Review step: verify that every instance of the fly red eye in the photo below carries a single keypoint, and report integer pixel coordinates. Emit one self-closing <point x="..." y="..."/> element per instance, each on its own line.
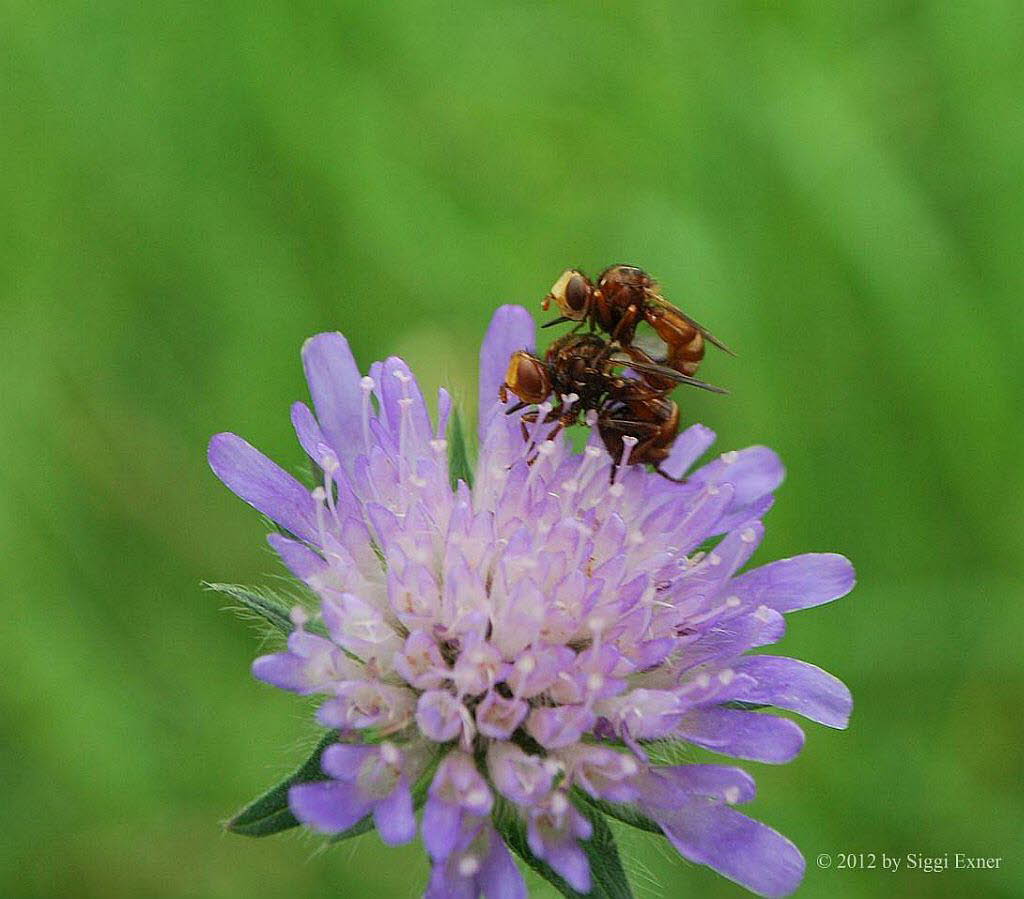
<point x="527" y="378"/>
<point x="577" y="292"/>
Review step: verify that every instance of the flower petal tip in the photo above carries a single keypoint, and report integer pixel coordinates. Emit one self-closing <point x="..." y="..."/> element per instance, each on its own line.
<point x="511" y="329"/>
<point x="324" y="341"/>
<point x="216" y="450"/>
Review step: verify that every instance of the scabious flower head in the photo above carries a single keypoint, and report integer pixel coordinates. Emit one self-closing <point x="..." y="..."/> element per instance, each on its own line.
<point x="522" y="645"/>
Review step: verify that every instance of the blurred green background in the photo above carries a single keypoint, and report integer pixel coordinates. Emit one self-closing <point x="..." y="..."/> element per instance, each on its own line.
<point x="189" y="190"/>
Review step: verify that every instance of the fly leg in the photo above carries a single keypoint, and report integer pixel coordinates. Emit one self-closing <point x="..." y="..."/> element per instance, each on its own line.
<point x="564" y="419"/>
<point x="669" y="477"/>
<point x="530" y="417"/>
<point x="626" y="325"/>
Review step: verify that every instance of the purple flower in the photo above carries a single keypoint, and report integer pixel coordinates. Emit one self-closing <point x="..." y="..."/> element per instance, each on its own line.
<point x="483" y="867"/>
<point x="522" y="641"/>
<point x="555" y="829"/>
<point x="365" y="780"/>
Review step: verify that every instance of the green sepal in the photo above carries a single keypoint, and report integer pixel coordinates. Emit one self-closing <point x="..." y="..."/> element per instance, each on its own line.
<point x="269" y="814"/>
<point x="608" y="878"/>
<point x="459" y="468"/>
<point x="745" y="706"/>
<point x="263" y="603"/>
<point x="267" y="606"/>
<point x="620" y="811"/>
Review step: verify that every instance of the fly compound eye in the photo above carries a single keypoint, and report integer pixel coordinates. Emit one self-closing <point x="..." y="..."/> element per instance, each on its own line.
<point x="573" y="284"/>
<point x="527" y="378"/>
<point x="577" y="293"/>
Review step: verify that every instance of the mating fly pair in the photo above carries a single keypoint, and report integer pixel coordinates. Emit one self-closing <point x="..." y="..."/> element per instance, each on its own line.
<point x="579" y="371"/>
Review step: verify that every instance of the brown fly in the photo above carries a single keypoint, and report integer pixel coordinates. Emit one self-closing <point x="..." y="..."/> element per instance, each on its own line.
<point x="579" y="374"/>
<point x="623" y="297"/>
<point x="640" y="412"/>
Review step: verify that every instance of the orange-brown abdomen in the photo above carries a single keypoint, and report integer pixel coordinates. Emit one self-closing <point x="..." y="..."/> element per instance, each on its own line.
<point x="685" y="343"/>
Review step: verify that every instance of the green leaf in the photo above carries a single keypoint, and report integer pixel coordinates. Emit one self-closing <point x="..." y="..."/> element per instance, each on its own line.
<point x="608" y="879"/>
<point x="262" y="602"/>
<point x="269" y="813"/>
<point x="627" y="814"/>
<point x="608" y="875"/>
<point x="459" y="468"/>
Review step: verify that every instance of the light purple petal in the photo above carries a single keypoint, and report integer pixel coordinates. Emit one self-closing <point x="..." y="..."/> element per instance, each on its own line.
<point x="744" y="850"/>
<point x="459" y="783"/>
<point x="343" y="760"/>
<point x="313" y="665"/>
<point x="499" y="878"/>
<point x="644" y="714"/>
<point x="741" y="515"/>
<point x="333" y="378"/>
<point x="688" y="447"/>
<point x="760" y="627"/>
<point x="728" y="556"/>
<point x="420" y="663"/>
<point x="700" y="516"/>
<point x="552" y="834"/>
<point x="536" y="669"/>
<point x="797" y="583"/>
<point x="327" y="663"/>
<point x="568" y="860"/>
<point x="604" y="773"/>
<point x="511" y="329"/>
<point x="283" y="670"/>
<point x="753" y="472"/>
<point x="398" y="383"/>
<point x="367" y="703"/>
<point x="340" y="614"/>
<point x="439" y="715"/>
<point x="523" y="778"/>
<point x="446" y="882"/>
<point x="441" y="827"/>
<point x="263" y="485"/>
<point x="668" y="786"/>
<point x="299" y="558"/>
<point x="559" y="726"/>
<point x="745" y="735"/>
<point x="313" y="440"/>
<point x="329" y="806"/>
<point x="332" y="715"/>
<point x="498" y="717"/>
<point x="699" y="690"/>
<point x="394" y="816"/>
<point x="797" y="686"/>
